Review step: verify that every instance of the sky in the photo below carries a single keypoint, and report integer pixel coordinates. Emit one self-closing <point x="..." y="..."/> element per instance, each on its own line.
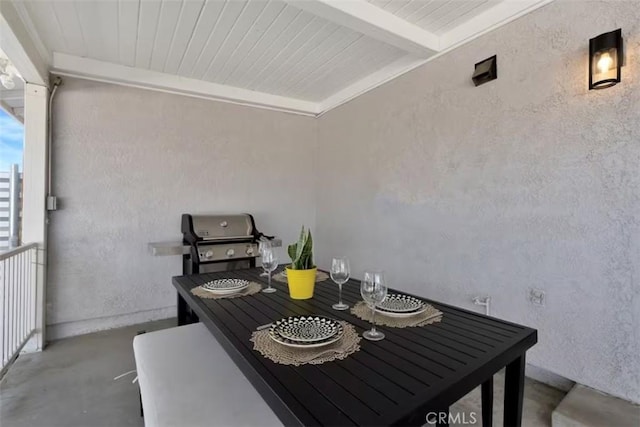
<point x="11" y="141"/>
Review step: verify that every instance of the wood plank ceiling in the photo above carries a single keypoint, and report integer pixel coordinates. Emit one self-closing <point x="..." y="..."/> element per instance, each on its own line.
<point x="283" y="52"/>
<point x="435" y="16"/>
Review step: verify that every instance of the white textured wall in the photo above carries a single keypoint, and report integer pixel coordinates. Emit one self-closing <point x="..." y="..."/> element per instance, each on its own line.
<point x="530" y="181"/>
<point x="129" y="162"/>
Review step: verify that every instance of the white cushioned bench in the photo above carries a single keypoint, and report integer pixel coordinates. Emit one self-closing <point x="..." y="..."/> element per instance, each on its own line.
<point x="188" y="380"/>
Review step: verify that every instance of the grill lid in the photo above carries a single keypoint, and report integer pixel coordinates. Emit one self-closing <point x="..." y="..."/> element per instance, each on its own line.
<point x="217" y="227"/>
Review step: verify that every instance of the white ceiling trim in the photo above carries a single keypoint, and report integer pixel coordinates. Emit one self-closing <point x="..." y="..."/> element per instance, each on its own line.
<point x="357" y="15"/>
<point x="489" y="20"/>
<point x="91" y="69"/>
<point x="375" y="22"/>
<point x="21" y="10"/>
<point x="407" y="64"/>
<point x="370" y="82"/>
<point x="10" y="111"/>
<point x="21" y="46"/>
<point x="11" y="95"/>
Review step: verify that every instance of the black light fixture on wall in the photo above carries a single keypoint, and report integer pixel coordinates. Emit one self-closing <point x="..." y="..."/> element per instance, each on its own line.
<point x="605" y="60"/>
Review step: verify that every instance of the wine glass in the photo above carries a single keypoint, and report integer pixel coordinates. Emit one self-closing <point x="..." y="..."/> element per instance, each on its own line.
<point x="373" y="290"/>
<point x="340" y="273"/>
<point x="269" y="263"/>
<point x="262" y="244"/>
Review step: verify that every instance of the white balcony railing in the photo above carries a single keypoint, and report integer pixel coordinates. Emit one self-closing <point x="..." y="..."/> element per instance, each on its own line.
<point x="18" y="303"/>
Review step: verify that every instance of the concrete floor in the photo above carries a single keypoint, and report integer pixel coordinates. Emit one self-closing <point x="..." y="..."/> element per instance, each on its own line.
<point x="71" y="384"/>
<point x="539" y="402"/>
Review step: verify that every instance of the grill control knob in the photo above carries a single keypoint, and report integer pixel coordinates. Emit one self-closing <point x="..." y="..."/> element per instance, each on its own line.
<point x="208" y="254"/>
<point x="250" y="250"/>
<point x="230" y="253"/>
<point x="224" y="224"/>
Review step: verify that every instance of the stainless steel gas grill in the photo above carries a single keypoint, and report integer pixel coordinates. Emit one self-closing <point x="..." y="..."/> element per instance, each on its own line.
<point x="213" y="243"/>
<point x="219" y="242"/>
<point x="216" y="243"/>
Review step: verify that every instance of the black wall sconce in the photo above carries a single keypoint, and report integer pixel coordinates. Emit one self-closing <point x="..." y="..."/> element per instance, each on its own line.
<point x="485" y="71"/>
<point x="605" y="60"/>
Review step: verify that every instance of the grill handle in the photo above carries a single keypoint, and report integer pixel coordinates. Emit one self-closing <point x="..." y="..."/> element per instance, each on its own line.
<point x="258" y="235"/>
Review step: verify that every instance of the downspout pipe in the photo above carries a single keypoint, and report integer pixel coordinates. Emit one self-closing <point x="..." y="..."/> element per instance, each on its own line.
<point x="51" y="199"/>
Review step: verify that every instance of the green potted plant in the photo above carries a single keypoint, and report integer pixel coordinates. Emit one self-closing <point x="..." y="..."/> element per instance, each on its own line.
<point x="301" y="274"/>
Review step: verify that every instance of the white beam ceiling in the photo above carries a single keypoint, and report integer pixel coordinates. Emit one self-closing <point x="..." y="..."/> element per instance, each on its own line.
<point x="19" y="46"/>
<point x="12" y="101"/>
<point x="12" y="95"/>
<point x="500" y="14"/>
<point x="370" y="20"/>
<point x="11" y="111"/>
<point x="299" y="56"/>
<point x="91" y="69"/>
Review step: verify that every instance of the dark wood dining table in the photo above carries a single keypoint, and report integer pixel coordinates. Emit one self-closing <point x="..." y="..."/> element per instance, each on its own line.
<point x="408" y="378"/>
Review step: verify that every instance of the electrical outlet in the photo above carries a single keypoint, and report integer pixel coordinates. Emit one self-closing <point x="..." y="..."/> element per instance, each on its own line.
<point x="536" y="297"/>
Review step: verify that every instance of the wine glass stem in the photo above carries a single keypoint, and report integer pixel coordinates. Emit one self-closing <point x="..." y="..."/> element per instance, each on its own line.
<point x="340" y="293"/>
<point x="269" y="275"/>
<point x="373" y="319"/>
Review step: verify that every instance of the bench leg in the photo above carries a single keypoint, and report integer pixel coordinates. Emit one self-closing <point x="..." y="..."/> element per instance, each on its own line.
<point x="487" y="403"/>
<point x="139" y="393"/>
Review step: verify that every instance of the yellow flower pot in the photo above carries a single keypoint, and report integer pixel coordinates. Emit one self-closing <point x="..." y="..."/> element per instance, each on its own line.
<point x="301" y="283"/>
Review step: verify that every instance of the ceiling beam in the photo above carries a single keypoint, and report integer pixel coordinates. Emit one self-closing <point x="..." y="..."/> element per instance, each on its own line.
<point x="495" y="17"/>
<point x="11" y="95"/>
<point x="488" y="20"/>
<point x="10" y="111"/>
<point x="91" y="69"/>
<point x="372" y="21"/>
<point x="20" y="48"/>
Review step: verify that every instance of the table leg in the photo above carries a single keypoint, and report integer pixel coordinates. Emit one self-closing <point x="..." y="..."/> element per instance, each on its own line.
<point x="514" y="392"/>
<point x="487" y="403"/>
<point x="182" y="311"/>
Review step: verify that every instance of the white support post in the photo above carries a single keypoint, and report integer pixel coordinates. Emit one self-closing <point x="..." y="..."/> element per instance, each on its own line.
<point x="34" y="214"/>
